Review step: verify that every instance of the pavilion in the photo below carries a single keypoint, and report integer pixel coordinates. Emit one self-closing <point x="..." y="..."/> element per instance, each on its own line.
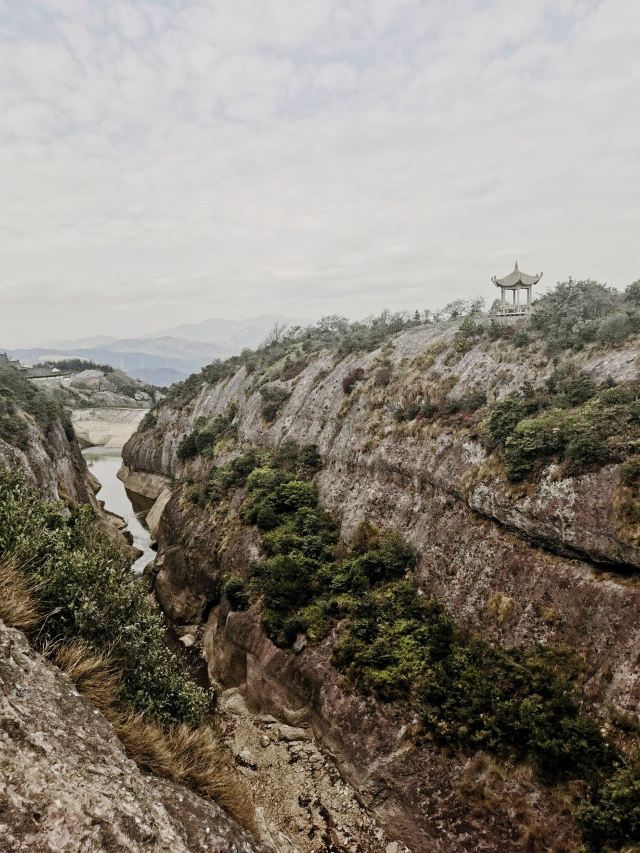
<point x="519" y="285"/>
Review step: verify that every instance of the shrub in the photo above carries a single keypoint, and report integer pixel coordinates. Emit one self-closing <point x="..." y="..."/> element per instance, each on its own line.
<point x="467" y="692"/>
<point x="85" y="586"/>
<point x="149" y="421"/>
<point x="610" y="819"/>
<point x="578" y="312"/>
<point x="585" y="449"/>
<point x="205" y="435"/>
<point x="615" y="328"/>
<point x="573" y="422"/>
<point x="520" y="338"/>
<point x="534" y="440"/>
<point x="382" y="376"/>
<point x="351" y="379"/>
<point x="407" y="412"/>
<point x="292" y="368"/>
<point x="273" y="399"/>
<point x="571" y="386"/>
<point x="505" y="415"/>
<point x="236" y="592"/>
<point x="18" y="395"/>
<point x="469" y="401"/>
<point x="631" y="472"/>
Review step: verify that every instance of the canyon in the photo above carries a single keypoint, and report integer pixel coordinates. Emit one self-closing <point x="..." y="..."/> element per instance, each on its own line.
<point x="550" y="562"/>
<point x="552" y="559"/>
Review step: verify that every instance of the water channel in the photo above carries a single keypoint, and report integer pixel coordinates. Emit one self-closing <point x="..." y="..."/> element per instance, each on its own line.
<point x="104" y="462"/>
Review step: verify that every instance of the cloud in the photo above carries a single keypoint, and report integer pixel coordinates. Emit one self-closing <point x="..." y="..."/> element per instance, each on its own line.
<point x="205" y="158"/>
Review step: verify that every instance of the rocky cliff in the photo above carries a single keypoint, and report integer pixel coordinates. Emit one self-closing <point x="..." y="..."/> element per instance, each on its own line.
<point x="50" y="459"/>
<point x="67" y="785"/>
<point x="552" y="558"/>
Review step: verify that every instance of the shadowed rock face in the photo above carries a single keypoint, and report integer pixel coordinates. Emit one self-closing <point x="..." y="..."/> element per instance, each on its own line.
<point x="549" y="562"/>
<point x="52" y="463"/>
<point x="66" y="784"/>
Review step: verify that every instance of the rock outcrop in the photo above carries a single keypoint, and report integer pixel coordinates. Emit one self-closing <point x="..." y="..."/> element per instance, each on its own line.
<point x="67" y="785"/>
<point x="53" y="463"/>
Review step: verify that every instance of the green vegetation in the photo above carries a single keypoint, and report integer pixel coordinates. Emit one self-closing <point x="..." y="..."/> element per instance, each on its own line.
<point x="273" y="399"/>
<point x="581" y="312"/>
<point x="77" y="364"/>
<point x="610" y="819"/>
<point x="86" y="589"/>
<point x="394" y="643"/>
<point x="351" y="379"/>
<point x="571" y="421"/>
<point x="463" y="406"/>
<point x="150" y="420"/>
<point x="18" y="395"/>
<point x="206" y="433"/>
<point x="236" y="592"/>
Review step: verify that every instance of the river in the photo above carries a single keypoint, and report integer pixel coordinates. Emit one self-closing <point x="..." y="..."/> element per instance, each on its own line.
<point x="104" y="462"/>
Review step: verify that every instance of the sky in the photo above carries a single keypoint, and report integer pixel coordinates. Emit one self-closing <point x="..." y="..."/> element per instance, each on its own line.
<point x="167" y="161"/>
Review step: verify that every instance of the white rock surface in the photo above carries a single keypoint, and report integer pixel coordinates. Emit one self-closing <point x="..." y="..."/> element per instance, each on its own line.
<point x="105" y="427"/>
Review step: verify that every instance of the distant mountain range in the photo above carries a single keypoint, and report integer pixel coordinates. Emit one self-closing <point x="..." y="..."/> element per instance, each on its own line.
<point x="166" y="357"/>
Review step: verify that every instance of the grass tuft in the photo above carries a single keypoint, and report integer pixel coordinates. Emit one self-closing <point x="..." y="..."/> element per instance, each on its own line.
<point x="18" y="603"/>
<point x="194" y="757"/>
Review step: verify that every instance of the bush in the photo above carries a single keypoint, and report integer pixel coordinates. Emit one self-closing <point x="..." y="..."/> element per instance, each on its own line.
<point x="236" y="592"/>
<point x="407" y="412"/>
<point x="617" y="328"/>
<point x="570" y="386"/>
<point x="573" y="422"/>
<point x="631" y="473"/>
<point x="505" y="416"/>
<point x="382" y="376"/>
<point x="578" y="312"/>
<point x="292" y="368"/>
<point x="585" y="449"/>
<point x="205" y="435"/>
<point x="520" y="338"/>
<point x="533" y="441"/>
<point x="273" y="399"/>
<point x="149" y="421"/>
<point x="351" y="379"/>
<point x="469" y="401"/>
<point x="610" y="819"/>
<point x="86" y="588"/>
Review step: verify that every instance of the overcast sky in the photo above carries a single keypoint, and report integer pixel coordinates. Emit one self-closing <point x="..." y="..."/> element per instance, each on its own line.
<point x="166" y="161"/>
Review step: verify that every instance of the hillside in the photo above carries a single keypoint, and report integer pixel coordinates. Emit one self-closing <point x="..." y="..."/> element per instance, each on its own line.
<point x="421" y="540"/>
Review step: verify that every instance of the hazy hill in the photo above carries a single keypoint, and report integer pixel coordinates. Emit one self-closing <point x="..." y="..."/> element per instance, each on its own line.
<point x="166" y="357"/>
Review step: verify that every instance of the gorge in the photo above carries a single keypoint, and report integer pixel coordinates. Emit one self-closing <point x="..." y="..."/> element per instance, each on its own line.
<point x="404" y="561"/>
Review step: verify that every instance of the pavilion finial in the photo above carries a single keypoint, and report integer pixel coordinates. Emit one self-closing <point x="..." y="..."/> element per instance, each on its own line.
<point x="516" y="266"/>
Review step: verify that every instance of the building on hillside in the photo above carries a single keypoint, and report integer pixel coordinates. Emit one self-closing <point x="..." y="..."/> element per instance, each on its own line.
<point x="4" y="359"/>
<point x="515" y="293"/>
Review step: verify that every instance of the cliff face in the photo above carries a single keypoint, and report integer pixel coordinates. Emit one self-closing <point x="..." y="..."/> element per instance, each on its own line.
<point x="549" y="560"/>
<point x="52" y="462"/>
<point x="67" y="785"/>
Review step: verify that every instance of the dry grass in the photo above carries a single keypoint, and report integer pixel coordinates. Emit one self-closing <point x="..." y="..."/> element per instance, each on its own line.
<point x="18" y="601"/>
<point x="196" y="758"/>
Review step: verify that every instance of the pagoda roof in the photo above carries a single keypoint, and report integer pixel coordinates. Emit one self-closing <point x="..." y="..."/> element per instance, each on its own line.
<point x="516" y="278"/>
